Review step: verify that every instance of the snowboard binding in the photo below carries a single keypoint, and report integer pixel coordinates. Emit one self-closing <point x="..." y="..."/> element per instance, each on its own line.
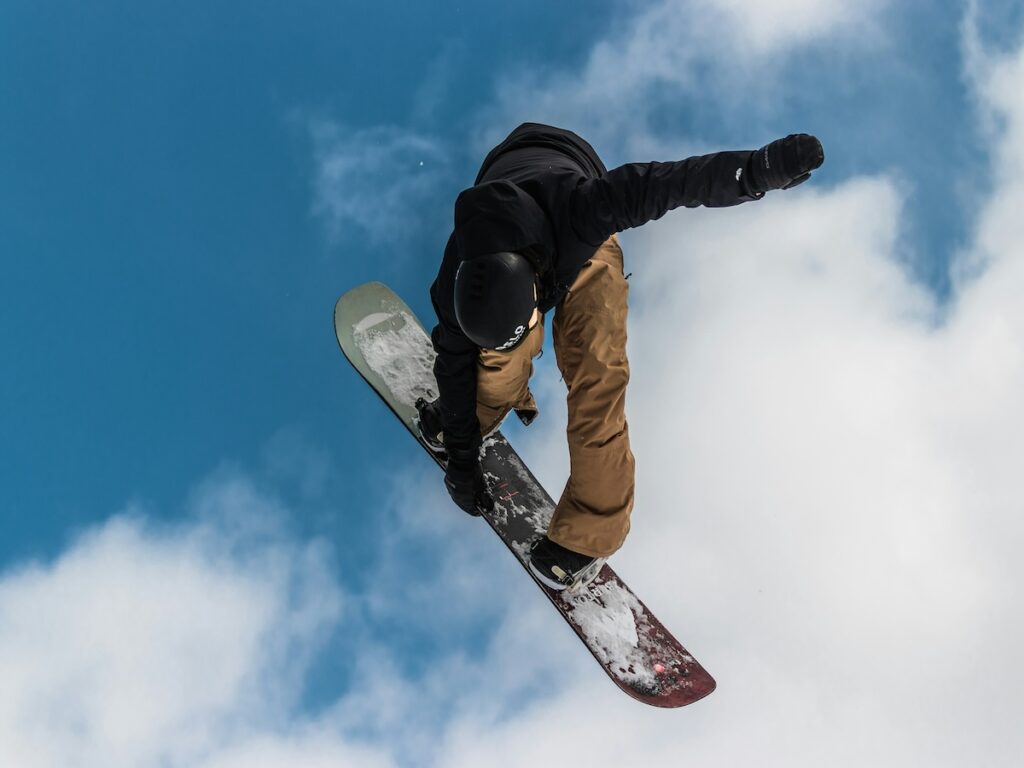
<point x="428" y="425"/>
<point x="559" y="568"/>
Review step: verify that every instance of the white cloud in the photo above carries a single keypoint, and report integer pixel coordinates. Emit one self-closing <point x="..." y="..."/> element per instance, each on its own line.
<point x="829" y="502"/>
<point x="144" y="645"/>
<point x="768" y="28"/>
<point x="191" y="645"/>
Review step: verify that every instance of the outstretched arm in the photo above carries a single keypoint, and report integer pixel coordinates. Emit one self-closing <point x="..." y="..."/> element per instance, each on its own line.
<point x="633" y="194"/>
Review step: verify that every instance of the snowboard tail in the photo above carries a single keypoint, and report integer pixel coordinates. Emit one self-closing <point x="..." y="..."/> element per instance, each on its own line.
<point x="382" y="339"/>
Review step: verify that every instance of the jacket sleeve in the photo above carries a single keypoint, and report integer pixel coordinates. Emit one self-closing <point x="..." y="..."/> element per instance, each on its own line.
<point x="455" y="371"/>
<point x="636" y="193"/>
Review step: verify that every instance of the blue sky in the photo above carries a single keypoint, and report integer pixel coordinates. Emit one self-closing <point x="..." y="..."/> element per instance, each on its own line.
<point x="185" y="192"/>
<point x="169" y="293"/>
<point x="166" y="282"/>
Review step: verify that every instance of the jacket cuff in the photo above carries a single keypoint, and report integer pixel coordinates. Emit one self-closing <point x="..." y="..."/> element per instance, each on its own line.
<point x="747" y="189"/>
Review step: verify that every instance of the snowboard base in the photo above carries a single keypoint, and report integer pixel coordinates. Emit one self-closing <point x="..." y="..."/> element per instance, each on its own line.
<point x="383" y="340"/>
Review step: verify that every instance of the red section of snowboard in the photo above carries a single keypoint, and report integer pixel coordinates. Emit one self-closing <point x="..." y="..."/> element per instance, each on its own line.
<point x="677" y="679"/>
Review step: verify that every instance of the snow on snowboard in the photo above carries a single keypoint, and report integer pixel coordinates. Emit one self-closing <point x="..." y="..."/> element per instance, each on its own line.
<point x="386" y="344"/>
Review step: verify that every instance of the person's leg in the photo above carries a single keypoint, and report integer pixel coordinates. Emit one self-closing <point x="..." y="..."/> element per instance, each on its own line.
<point x="503" y="381"/>
<point x="592" y="516"/>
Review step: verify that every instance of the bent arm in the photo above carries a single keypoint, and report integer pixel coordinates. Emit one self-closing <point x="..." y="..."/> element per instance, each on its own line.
<point x="456" y="385"/>
<point x="455" y="372"/>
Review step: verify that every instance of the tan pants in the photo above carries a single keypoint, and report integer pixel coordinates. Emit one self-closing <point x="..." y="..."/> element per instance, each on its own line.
<point x="592" y="516"/>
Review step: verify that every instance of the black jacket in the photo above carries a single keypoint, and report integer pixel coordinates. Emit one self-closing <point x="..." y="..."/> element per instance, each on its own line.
<point x="545" y="193"/>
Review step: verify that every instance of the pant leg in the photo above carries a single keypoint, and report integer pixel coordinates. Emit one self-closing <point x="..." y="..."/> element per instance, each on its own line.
<point x="592" y="516"/>
<point x="503" y="380"/>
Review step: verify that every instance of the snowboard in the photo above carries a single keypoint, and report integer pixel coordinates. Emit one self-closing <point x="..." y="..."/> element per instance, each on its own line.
<point x="388" y="346"/>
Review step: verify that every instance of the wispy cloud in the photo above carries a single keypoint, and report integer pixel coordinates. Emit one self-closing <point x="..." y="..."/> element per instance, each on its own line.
<point x="725" y="54"/>
<point x="378" y="184"/>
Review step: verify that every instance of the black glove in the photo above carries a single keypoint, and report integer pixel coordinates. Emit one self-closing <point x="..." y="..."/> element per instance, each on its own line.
<point x="464" y="479"/>
<point x="783" y="164"/>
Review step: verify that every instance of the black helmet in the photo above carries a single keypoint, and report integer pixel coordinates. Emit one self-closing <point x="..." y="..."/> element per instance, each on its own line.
<point x="495" y="299"/>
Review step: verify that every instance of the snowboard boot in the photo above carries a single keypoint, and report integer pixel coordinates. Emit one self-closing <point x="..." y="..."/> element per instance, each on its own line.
<point x="428" y="422"/>
<point x="560" y="568"/>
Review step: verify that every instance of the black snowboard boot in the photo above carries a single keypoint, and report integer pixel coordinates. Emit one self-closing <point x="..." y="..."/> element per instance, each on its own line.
<point x="561" y="568"/>
<point x="429" y="423"/>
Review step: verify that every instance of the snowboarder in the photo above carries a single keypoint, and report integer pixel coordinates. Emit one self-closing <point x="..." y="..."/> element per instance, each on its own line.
<point x="536" y="232"/>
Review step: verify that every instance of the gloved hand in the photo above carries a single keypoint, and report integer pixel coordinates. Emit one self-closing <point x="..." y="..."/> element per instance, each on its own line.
<point x="464" y="479"/>
<point x="783" y="164"/>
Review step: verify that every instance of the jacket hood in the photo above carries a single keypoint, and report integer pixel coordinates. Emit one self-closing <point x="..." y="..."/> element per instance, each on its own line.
<point x="499" y="216"/>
